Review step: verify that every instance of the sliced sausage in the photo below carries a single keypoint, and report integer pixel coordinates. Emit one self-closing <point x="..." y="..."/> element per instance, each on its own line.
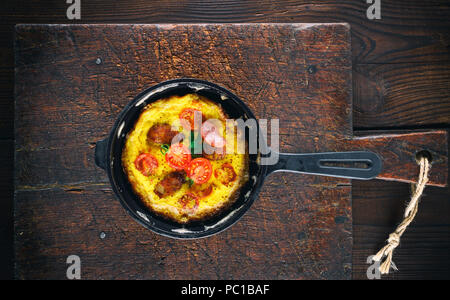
<point x="161" y="133"/>
<point x="170" y="184"/>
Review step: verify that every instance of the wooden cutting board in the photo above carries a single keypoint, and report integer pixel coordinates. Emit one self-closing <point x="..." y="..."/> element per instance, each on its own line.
<point x="72" y="82"/>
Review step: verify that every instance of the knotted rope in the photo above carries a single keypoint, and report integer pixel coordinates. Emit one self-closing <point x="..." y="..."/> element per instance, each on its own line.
<point x="410" y="212"/>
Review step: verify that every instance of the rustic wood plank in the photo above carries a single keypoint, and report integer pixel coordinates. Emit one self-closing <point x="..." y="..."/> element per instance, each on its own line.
<point x="72" y="166"/>
<point x="387" y="208"/>
<point x="410" y="12"/>
<point x="399" y="153"/>
<point x="401" y="95"/>
<point x="108" y="87"/>
<point x="419" y="35"/>
<point x="77" y="101"/>
<point x="280" y="237"/>
<point x="378" y="208"/>
<point x="410" y="31"/>
<point x="423" y="252"/>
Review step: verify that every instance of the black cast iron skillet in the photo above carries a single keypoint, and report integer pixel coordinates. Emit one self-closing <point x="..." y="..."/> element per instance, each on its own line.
<point x="108" y="153"/>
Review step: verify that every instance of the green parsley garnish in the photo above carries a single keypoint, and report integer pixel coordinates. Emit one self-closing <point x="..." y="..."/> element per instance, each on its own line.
<point x="164" y="149"/>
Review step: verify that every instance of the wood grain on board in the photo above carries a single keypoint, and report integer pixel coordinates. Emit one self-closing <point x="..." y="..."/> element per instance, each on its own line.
<point x="300" y="73"/>
<point x="401" y="58"/>
<point x="423" y="250"/>
<point x="63" y="201"/>
<point x="401" y="95"/>
<point x="409" y="32"/>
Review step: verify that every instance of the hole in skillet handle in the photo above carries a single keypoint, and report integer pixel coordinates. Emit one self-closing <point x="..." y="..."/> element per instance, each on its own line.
<point x="346" y="164"/>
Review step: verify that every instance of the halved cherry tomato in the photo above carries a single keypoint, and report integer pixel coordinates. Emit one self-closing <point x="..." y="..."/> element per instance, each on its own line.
<point x="225" y="174"/>
<point x="189" y="203"/>
<point x="187" y="117"/>
<point x="199" y="170"/>
<point x="146" y="164"/>
<point x="178" y="156"/>
<point x="201" y="191"/>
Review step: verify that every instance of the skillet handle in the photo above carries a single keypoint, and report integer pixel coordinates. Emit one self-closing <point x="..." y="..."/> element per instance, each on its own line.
<point x="101" y="150"/>
<point x="354" y="165"/>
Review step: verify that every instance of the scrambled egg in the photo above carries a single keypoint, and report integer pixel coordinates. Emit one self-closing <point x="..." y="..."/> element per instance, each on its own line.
<point x="167" y="111"/>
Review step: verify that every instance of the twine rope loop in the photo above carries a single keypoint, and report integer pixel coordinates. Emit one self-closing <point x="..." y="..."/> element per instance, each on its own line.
<point x="410" y="212"/>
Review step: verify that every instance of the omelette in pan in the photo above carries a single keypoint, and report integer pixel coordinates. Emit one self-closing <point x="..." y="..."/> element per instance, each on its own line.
<point x="178" y="161"/>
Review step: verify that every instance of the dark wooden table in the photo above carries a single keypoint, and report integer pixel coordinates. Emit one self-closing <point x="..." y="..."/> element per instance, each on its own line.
<point x="401" y="80"/>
